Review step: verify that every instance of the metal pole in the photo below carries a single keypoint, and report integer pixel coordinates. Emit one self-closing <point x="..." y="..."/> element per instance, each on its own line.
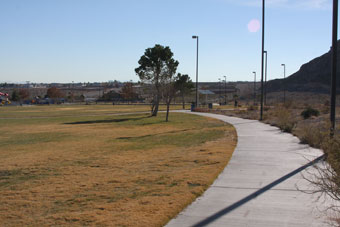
<point x="262" y="55"/>
<point x="73" y="91"/>
<point x="219" y="88"/>
<point x="254" y="87"/>
<point x="284" y="83"/>
<point x="197" y="95"/>
<point x="333" y="63"/>
<point x="225" y="90"/>
<point x="197" y="101"/>
<point x="265" y="83"/>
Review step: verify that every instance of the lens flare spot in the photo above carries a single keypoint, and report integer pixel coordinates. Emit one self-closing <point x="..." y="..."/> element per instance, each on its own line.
<point x="254" y="25"/>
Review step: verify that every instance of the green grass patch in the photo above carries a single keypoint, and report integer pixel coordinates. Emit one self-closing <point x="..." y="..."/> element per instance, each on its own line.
<point x="12" y="178"/>
<point x="32" y="138"/>
<point x="187" y="139"/>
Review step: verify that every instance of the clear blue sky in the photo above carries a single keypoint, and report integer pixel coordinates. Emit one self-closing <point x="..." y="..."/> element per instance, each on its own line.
<point x="101" y="40"/>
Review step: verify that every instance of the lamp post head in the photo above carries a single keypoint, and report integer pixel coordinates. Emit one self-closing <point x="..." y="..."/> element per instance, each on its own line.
<point x="194" y="36"/>
<point x="265" y="52"/>
<point x="254" y="72"/>
<point x="283" y="64"/>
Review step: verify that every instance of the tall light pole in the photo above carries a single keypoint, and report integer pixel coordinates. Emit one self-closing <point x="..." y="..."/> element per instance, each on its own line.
<point x="196" y="37"/>
<point x="254" y="87"/>
<point x="72" y="91"/>
<point x="334" y="62"/>
<point x="265" y="81"/>
<point x="262" y="55"/>
<point x="225" y="90"/>
<point x="284" y="82"/>
<point x="219" y="88"/>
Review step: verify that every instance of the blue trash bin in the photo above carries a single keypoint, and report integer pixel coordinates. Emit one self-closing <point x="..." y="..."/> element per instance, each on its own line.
<point x="192" y="107"/>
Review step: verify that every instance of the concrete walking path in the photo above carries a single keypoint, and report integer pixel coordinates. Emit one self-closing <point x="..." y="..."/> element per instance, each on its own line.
<point x="261" y="184"/>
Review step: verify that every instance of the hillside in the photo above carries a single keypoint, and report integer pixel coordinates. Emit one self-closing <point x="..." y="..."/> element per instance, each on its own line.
<point x="314" y="76"/>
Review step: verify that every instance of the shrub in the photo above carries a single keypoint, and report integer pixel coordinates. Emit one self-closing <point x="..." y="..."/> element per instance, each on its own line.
<point x="202" y="110"/>
<point x="252" y="108"/>
<point x="327" y="103"/>
<point x="240" y="112"/>
<point x="266" y="108"/>
<point x="314" y="135"/>
<point x="288" y="104"/>
<point x="325" y="109"/>
<point x="326" y="178"/>
<point x="307" y="113"/>
<point x="285" y="120"/>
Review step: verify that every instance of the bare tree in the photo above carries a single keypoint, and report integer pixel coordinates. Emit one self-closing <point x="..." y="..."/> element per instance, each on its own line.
<point x="54" y="92"/>
<point x="128" y="93"/>
<point x="24" y="93"/>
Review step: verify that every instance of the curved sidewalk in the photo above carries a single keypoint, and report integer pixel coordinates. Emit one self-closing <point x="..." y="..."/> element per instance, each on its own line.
<point x="261" y="184"/>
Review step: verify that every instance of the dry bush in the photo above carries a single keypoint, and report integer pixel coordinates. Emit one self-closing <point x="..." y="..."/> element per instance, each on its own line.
<point x="202" y="110"/>
<point x="331" y="147"/>
<point x="252" y="108"/>
<point x="285" y="120"/>
<point x="266" y="108"/>
<point x="314" y="135"/>
<point x="288" y="104"/>
<point x="240" y="112"/>
<point x="326" y="179"/>
<point x="325" y="109"/>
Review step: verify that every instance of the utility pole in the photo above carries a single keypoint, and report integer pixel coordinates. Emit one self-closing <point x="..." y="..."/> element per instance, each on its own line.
<point x="225" y="90"/>
<point x="265" y="81"/>
<point x="334" y="64"/>
<point x="219" y="88"/>
<point x="254" y="88"/>
<point x="284" y="82"/>
<point x="196" y="37"/>
<point x="262" y="55"/>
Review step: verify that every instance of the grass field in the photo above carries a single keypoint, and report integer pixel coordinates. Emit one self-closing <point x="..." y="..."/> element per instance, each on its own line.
<point x="81" y="165"/>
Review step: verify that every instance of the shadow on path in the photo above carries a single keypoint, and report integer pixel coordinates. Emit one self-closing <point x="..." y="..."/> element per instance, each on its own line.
<point x="241" y="202"/>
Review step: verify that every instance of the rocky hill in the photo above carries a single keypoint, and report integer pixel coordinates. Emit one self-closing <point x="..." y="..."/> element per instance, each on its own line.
<point x="314" y="76"/>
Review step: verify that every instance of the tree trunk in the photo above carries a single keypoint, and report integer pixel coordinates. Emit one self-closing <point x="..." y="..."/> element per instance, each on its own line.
<point x="168" y="102"/>
<point x="155" y="110"/>
<point x="183" y="101"/>
<point x="152" y="107"/>
<point x="158" y="94"/>
<point x="167" y="110"/>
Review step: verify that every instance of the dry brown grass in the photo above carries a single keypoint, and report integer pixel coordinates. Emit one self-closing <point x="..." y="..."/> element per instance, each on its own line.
<point x="107" y="171"/>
